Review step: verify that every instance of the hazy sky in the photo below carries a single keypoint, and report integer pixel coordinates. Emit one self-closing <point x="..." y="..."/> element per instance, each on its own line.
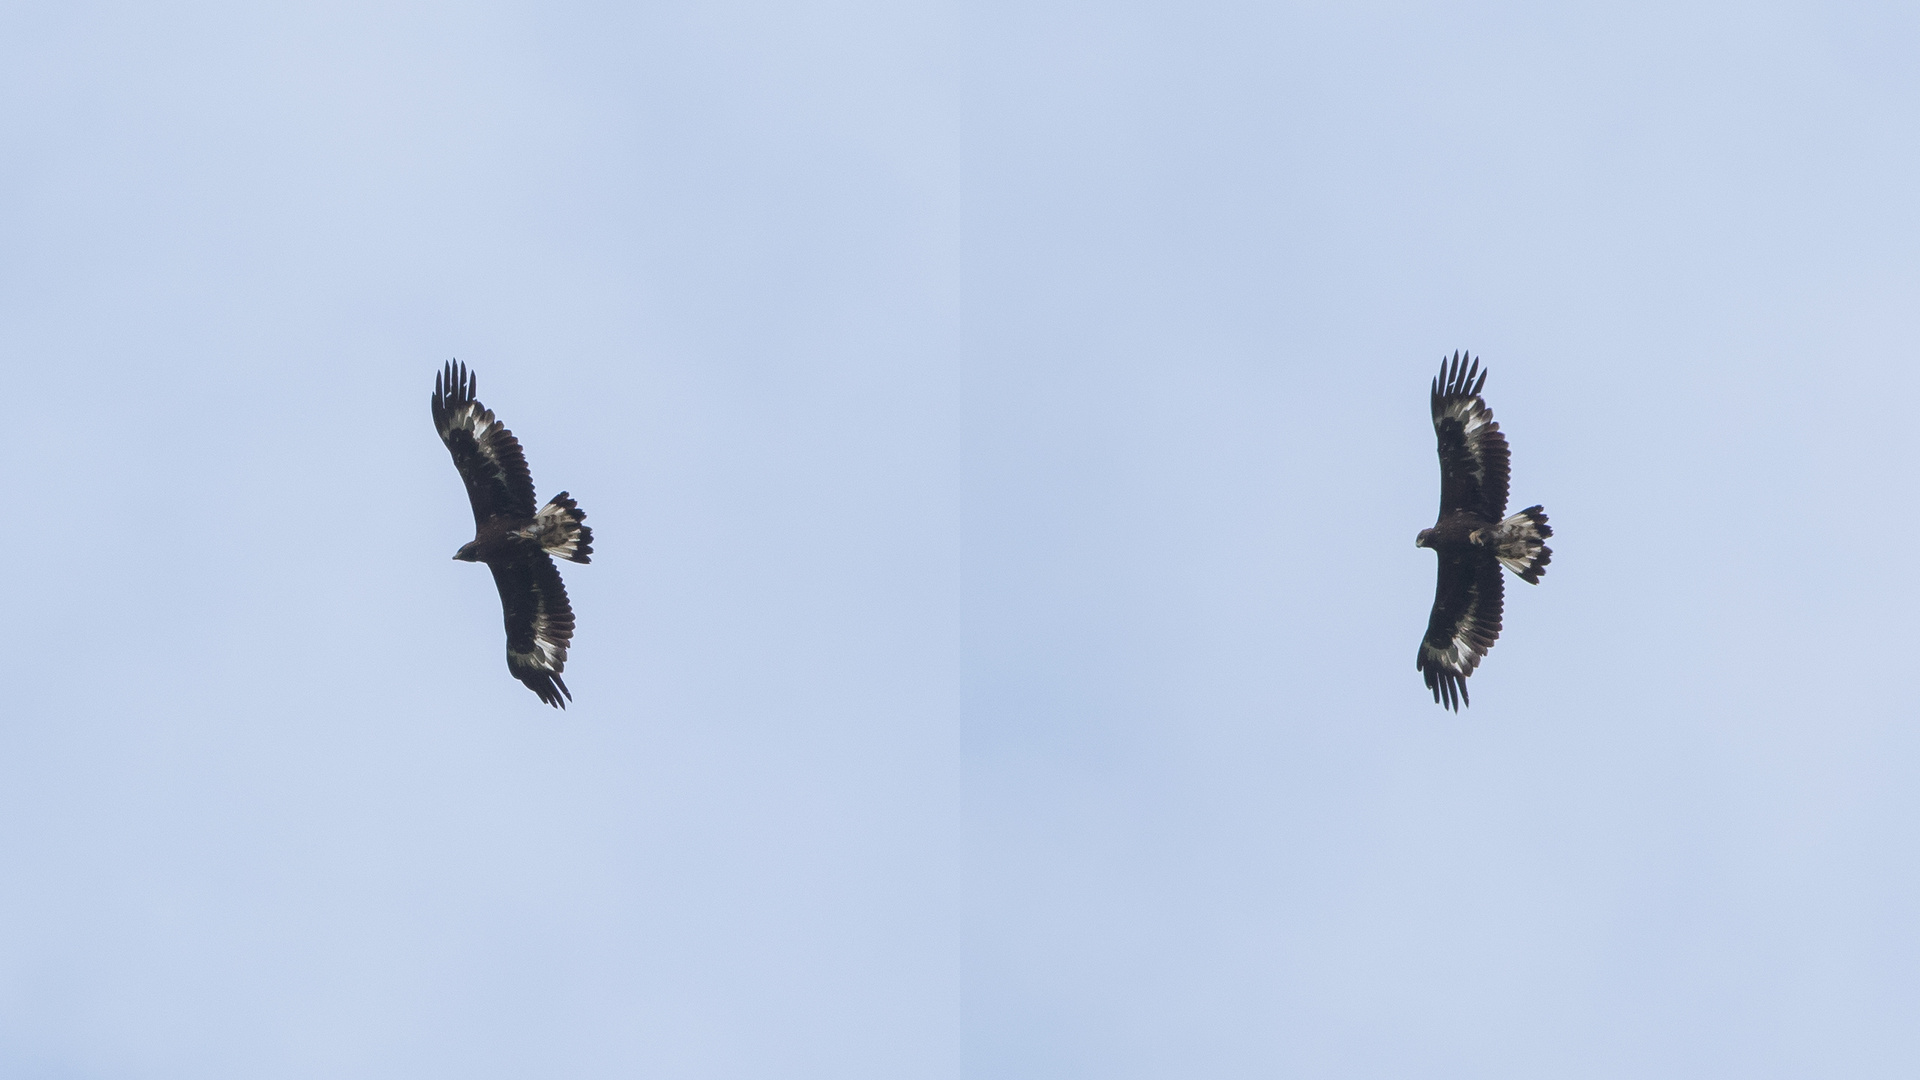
<point x="1004" y="429"/>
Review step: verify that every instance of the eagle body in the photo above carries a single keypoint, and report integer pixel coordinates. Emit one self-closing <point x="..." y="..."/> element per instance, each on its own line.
<point x="516" y="541"/>
<point x="513" y="538"/>
<point x="1455" y="533"/>
<point x="497" y="538"/>
<point x="1473" y="536"/>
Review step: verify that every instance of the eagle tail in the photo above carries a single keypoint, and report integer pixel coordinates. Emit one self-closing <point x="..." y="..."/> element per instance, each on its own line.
<point x="560" y="530"/>
<point x="1521" y="544"/>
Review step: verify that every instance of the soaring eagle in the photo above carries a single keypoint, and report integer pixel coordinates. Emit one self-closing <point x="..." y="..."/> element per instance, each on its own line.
<point x="511" y="537"/>
<point x="1471" y="538"/>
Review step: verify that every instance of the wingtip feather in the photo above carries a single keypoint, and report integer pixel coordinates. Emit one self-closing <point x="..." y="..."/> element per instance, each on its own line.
<point x="1461" y="374"/>
<point x="548" y="686"/>
<point x="453" y="386"/>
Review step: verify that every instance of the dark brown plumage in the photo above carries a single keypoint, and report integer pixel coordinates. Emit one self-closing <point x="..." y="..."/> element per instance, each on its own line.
<point x="1471" y="537"/>
<point x="511" y="537"/>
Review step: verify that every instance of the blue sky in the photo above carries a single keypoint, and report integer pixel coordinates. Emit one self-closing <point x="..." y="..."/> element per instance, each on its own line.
<point x="1004" y="430"/>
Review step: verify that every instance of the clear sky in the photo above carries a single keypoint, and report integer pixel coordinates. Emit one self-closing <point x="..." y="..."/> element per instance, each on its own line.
<point x="1004" y="429"/>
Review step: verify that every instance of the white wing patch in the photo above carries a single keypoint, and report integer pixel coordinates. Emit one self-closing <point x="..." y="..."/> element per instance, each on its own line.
<point x="472" y="418"/>
<point x="1474" y="417"/>
<point x="1464" y="650"/>
<point x="1460" y="656"/>
<point x="478" y="422"/>
<point x="1472" y="413"/>
<point x="549" y="653"/>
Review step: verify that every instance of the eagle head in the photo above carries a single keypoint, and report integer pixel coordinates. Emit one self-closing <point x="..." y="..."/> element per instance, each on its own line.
<point x="469" y="552"/>
<point x="1418" y="541"/>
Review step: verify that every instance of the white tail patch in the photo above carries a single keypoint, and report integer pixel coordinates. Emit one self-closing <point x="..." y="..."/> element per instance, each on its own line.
<point x="558" y="529"/>
<point x="1520" y="544"/>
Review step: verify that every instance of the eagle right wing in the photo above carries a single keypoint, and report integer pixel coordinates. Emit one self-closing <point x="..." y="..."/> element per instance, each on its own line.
<point x="539" y="623"/>
<point x="485" y="452"/>
<point x="1473" y="452"/>
<point x="1464" y="625"/>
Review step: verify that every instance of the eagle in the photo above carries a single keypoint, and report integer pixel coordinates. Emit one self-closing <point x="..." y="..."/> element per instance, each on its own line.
<point x="516" y="541"/>
<point x="1471" y="537"/>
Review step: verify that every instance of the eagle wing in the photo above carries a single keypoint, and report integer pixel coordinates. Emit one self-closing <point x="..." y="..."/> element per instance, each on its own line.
<point x="1473" y="452"/>
<point x="1464" y="625"/>
<point x="539" y="623"/>
<point x="485" y="452"/>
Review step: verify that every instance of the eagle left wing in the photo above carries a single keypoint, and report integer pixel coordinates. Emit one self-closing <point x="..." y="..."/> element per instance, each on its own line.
<point x="539" y="623"/>
<point x="1473" y="452"/>
<point x="1465" y="623"/>
<point x="486" y="453"/>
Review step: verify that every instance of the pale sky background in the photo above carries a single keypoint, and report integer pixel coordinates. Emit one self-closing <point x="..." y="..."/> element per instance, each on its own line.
<point x="1004" y="429"/>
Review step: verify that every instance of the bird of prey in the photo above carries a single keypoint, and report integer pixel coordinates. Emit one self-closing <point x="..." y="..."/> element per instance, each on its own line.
<point x="1471" y="537"/>
<point x="515" y="540"/>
